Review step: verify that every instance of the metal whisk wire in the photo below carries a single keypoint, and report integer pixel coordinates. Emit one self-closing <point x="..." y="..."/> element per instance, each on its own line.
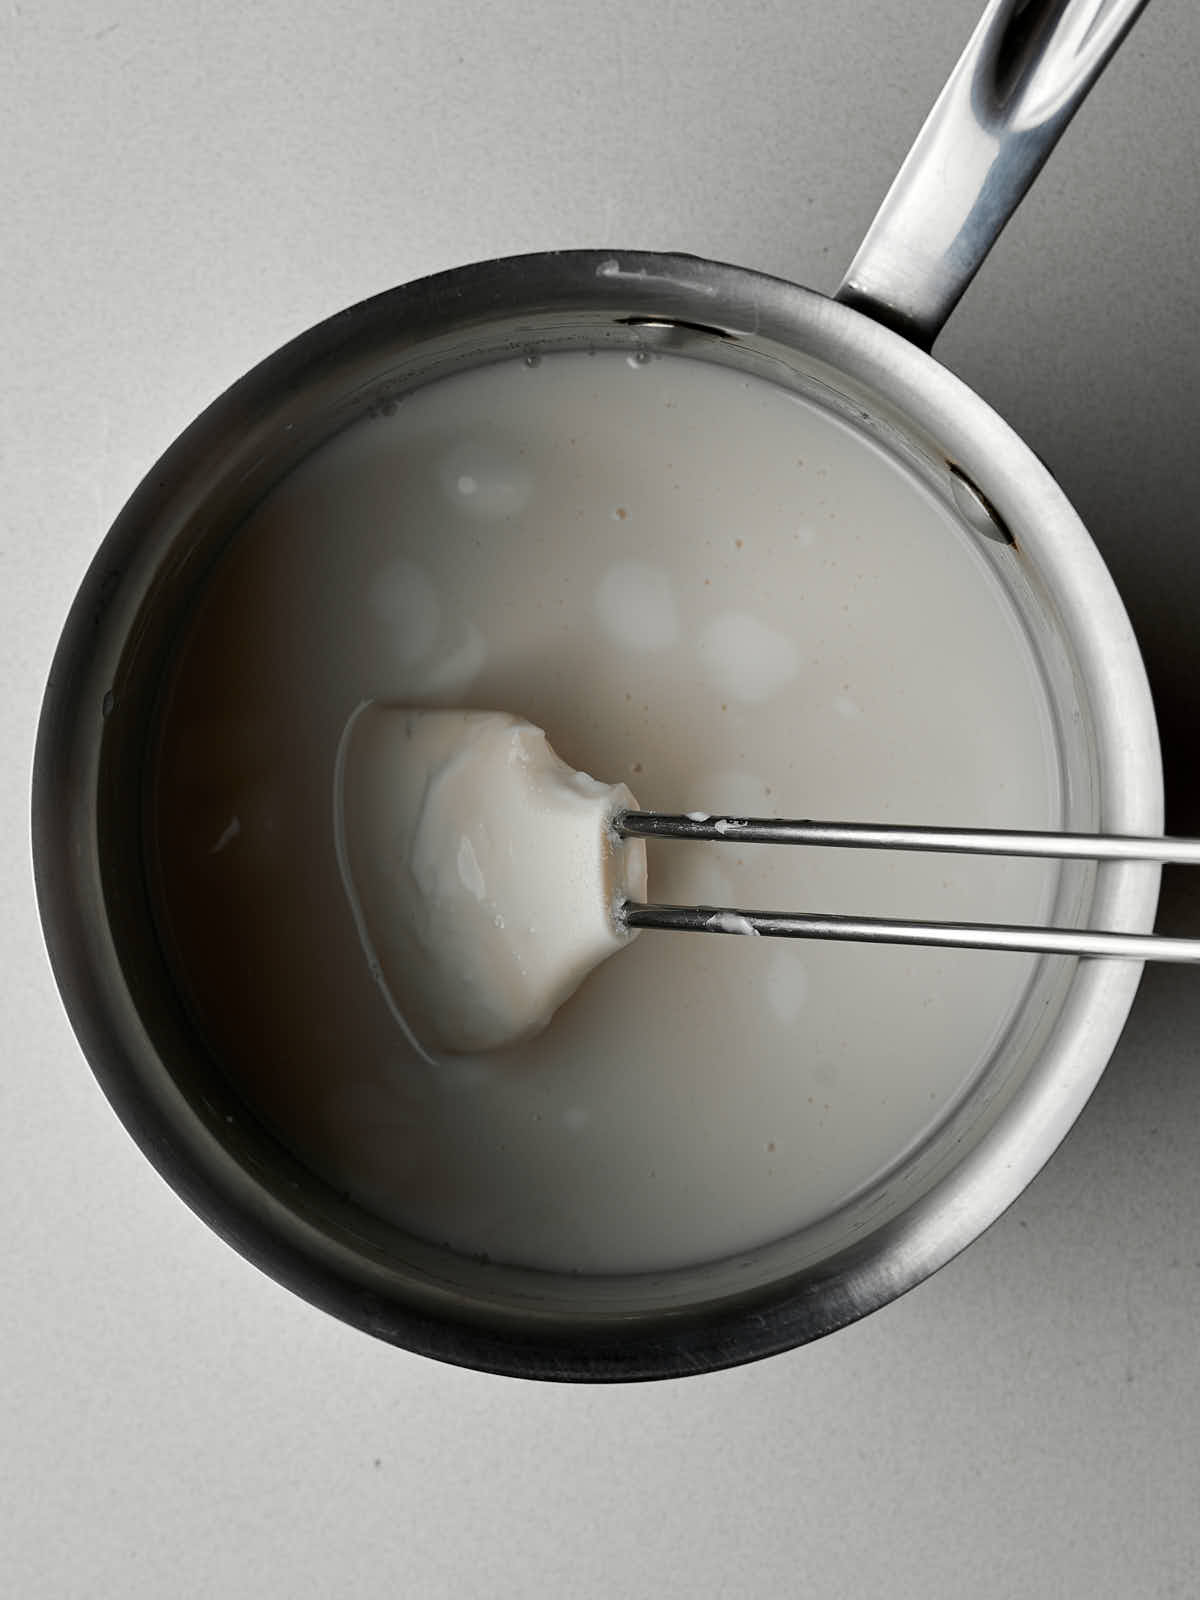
<point x="887" y="930"/>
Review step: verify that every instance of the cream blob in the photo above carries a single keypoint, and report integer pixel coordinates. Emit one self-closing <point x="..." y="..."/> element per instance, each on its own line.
<point x="482" y="871"/>
<point x="727" y="921"/>
<point x="485" y="477"/>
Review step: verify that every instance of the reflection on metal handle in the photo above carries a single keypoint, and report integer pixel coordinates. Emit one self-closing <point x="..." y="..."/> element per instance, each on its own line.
<point x="1018" y="83"/>
<point x="888" y="930"/>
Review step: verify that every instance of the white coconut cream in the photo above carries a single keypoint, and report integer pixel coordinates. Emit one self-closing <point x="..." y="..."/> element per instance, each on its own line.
<point x="484" y="874"/>
<point x="700" y="585"/>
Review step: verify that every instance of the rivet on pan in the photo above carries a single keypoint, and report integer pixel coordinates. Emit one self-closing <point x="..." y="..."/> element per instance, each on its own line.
<point x="977" y="509"/>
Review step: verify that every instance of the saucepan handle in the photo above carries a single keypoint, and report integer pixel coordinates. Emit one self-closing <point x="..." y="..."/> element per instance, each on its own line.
<point x="1026" y="69"/>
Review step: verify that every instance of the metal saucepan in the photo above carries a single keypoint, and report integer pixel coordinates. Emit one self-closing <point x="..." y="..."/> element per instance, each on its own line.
<point x="864" y="354"/>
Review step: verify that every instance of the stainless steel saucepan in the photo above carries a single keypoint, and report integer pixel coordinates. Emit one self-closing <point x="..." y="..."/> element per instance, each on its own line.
<point x="863" y="354"/>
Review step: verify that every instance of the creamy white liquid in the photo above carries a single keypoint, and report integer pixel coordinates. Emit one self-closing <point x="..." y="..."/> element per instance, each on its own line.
<point x="697" y="584"/>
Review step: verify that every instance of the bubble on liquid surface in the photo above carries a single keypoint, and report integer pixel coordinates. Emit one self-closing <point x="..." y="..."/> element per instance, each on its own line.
<point x="402" y="597"/>
<point x="635" y="604"/>
<point x="485" y="478"/>
<point x="745" y="659"/>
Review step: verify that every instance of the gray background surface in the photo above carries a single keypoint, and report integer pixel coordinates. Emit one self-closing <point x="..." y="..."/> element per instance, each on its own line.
<point x="181" y="194"/>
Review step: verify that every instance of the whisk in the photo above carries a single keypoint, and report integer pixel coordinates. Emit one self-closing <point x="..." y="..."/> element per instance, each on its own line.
<point x="487" y="878"/>
<point x="887" y="930"/>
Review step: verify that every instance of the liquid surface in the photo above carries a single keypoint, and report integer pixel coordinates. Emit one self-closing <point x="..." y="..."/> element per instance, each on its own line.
<point x="697" y="584"/>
